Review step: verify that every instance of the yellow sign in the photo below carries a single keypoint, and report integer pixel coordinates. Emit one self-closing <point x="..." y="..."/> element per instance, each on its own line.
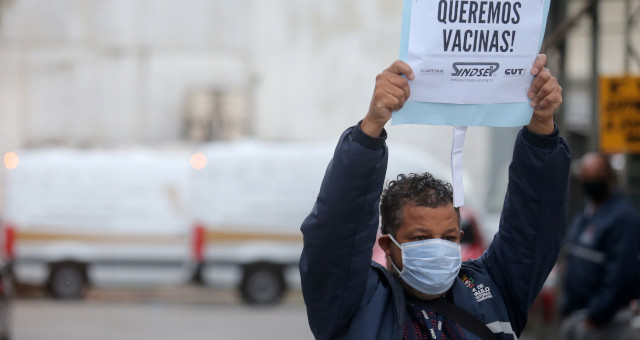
<point x="620" y="114"/>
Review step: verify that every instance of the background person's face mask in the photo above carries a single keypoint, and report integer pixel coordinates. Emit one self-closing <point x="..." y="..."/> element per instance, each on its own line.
<point x="429" y="266"/>
<point x="596" y="190"/>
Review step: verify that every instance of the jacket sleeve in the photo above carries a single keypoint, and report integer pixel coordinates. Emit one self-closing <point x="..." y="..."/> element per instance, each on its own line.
<point x="340" y="231"/>
<point x="532" y="224"/>
<point x="619" y="279"/>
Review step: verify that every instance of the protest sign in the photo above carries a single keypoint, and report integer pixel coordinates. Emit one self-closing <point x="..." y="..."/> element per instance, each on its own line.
<point x="473" y="52"/>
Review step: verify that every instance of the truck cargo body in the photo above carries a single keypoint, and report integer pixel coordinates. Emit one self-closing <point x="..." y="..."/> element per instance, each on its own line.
<point x="98" y="217"/>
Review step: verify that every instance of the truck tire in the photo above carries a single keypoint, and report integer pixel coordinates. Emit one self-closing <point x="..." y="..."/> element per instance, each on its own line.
<point x="67" y="281"/>
<point x="262" y="284"/>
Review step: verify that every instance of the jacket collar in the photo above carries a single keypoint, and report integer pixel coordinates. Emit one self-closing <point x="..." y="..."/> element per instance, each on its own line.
<point x="398" y="296"/>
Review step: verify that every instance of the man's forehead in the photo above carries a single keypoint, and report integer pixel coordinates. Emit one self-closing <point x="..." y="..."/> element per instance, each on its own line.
<point x="428" y="231"/>
<point x="444" y="210"/>
<point x="439" y="219"/>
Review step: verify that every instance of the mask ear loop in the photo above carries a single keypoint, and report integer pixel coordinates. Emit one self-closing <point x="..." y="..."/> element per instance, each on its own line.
<point x="394" y="241"/>
<point x="389" y="257"/>
<point x="459" y="133"/>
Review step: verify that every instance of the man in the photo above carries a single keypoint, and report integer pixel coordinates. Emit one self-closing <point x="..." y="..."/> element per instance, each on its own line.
<point x="603" y="271"/>
<point x="349" y="297"/>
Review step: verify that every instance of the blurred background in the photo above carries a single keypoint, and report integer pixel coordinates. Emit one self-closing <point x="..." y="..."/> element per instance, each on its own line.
<point x="159" y="156"/>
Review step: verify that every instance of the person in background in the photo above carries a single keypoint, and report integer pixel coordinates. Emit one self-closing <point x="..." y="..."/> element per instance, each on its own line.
<point x="349" y="297"/>
<point x="603" y="266"/>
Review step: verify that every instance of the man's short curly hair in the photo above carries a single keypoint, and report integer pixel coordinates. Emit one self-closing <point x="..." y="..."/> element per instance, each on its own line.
<point x="422" y="190"/>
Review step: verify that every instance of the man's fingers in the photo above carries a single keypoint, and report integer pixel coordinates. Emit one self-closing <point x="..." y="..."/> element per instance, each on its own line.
<point x="539" y="64"/>
<point x="388" y="103"/>
<point x="398" y="81"/>
<point x="538" y="82"/>
<point x="546" y="96"/>
<point x="389" y="98"/>
<point x="552" y="101"/>
<point x="400" y="67"/>
<point x="389" y="95"/>
<point x="392" y="103"/>
<point x="544" y="91"/>
<point x="394" y="98"/>
<point x="395" y="92"/>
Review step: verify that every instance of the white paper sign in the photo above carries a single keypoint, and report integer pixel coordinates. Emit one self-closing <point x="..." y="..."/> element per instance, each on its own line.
<point x="473" y="51"/>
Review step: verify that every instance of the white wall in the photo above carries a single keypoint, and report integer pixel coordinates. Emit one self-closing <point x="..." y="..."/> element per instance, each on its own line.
<point x="104" y="73"/>
<point x="116" y="72"/>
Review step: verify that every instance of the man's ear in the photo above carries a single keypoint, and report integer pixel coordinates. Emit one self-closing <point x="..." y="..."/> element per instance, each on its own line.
<point x="461" y="236"/>
<point x="385" y="243"/>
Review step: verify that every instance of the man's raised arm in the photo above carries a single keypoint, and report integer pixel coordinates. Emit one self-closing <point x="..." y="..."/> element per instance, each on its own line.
<point x="533" y="219"/>
<point x="340" y="231"/>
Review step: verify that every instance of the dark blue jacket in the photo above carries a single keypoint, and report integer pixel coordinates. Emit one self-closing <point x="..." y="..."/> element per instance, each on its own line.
<point x="603" y="269"/>
<point x="348" y="297"/>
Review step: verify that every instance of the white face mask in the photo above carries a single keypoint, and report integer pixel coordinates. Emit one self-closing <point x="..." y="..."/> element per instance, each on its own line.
<point x="429" y="266"/>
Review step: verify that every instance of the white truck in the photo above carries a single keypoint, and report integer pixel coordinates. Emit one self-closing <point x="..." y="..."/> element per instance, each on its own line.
<point x="250" y="200"/>
<point x="102" y="217"/>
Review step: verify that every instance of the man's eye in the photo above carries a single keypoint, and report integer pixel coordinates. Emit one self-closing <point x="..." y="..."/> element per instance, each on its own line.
<point x="420" y="238"/>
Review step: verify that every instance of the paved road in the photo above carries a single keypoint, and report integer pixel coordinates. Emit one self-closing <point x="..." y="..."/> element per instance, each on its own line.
<point x="125" y="315"/>
<point x="169" y="313"/>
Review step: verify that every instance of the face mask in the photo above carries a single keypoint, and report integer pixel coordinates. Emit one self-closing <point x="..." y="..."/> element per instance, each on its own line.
<point x="597" y="191"/>
<point x="429" y="266"/>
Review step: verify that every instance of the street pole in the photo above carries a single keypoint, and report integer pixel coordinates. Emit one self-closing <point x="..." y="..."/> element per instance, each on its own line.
<point x="595" y="58"/>
<point x="632" y="164"/>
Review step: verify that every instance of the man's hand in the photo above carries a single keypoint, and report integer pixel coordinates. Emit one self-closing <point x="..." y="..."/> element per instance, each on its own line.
<point x="390" y="94"/>
<point x="546" y="96"/>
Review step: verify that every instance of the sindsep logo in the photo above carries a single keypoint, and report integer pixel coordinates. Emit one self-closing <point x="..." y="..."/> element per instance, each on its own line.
<point x="474" y="69"/>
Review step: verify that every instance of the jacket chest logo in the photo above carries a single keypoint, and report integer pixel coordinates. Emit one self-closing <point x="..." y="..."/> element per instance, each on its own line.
<point x="479" y="290"/>
<point x="482" y="293"/>
<point x="468" y="281"/>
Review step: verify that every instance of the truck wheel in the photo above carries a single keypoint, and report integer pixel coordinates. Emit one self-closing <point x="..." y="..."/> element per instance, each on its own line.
<point x="67" y="281"/>
<point x="262" y="284"/>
